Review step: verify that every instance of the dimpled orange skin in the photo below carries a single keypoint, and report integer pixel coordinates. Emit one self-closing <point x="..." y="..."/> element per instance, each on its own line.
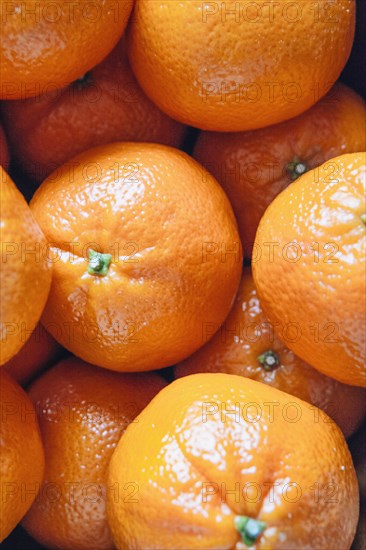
<point x="42" y="52"/>
<point x="25" y="270"/>
<point x="252" y="166"/>
<point x="108" y="106"/>
<point x="219" y="72"/>
<point x="21" y="451"/>
<point x="158" y="217"/>
<point x="313" y="277"/>
<point x="197" y="449"/>
<point x="245" y="335"/>
<point x="83" y="410"/>
<point x="39" y="352"/>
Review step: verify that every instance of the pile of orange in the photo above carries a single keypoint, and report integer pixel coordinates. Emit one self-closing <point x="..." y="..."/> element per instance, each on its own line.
<point x="232" y="254"/>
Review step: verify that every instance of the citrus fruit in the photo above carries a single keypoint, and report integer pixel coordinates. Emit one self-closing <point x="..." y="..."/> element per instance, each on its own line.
<point x="311" y="272"/>
<point x="47" y="45"/>
<point x="39" y="352"/>
<point x="105" y="105"/>
<point x="248" y="345"/>
<point x="25" y="270"/>
<point x="22" y="457"/>
<point x="4" y="151"/>
<point x="226" y="462"/>
<point x="145" y="251"/>
<point x="235" y="66"/>
<point x="254" y="167"/>
<point x="82" y="413"/>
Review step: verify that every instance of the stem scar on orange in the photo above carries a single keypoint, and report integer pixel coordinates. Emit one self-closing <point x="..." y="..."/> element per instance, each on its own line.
<point x="41" y="43"/>
<point x="148" y="251"/>
<point x="254" y="167"/>
<point x="248" y="345"/>
<point x="219" y="467"/>
<point x="313" y="277"/>
<point x="103" y="106"/>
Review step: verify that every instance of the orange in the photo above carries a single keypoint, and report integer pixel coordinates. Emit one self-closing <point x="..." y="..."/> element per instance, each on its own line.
<point x="39" y="352"/>
<point x="254" y="167"/>
<point x="145" y="251"/>
<point x="247" y="345"/>
<point x="235" y="66"/>
<point x="25" y="270"/>
<point x="4" y="151"/>
<point x="47" y="45"/>
<point x="82" y="411"/>
<point x="227" y="462"/>
<point x="22" y="457"/>
<point x="311" y="271"/>
<point x="105" y="105"/>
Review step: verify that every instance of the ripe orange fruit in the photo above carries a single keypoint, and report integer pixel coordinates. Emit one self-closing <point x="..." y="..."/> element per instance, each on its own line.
<point x="145" y="253"/>
<point x="234" y="66"/>
<point x="254" y="167"/>
<point x="82" y="411"/>
<point x="311" y="273"/>
<point x="247" y="345"/>
<point x="227" y="462"/>
<point x="45" y="46"/>
<point x="39" y="352"/>
<point x="25" y="270"/>
<point x="106" y="105"/>
<point x="22" y="457"/>
<point x="4" y="151"/>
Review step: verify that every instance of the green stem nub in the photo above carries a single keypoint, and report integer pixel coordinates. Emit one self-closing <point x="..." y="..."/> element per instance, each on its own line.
<point x="98" y="263"/>
<point x="296" y="168"/>
<point x="269" y="360"/>
<point x="250" y="529"/>
<point x="363" y="218"/>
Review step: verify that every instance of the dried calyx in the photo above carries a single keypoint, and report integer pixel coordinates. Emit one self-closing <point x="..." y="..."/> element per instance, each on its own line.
<point x="296" y="168"/>
<point x="269" y="360"/>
